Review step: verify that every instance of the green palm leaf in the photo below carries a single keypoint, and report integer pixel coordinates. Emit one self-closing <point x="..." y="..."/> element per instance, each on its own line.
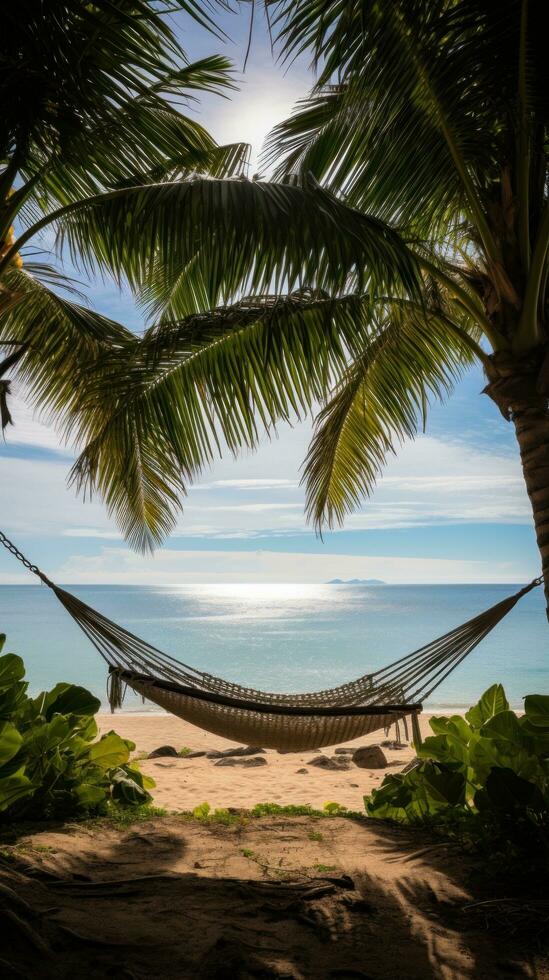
<point x="215" y="380"/>
<point x="62" y="342"/>
<point x="410" y="355"/>
<point x="233" y="235"/>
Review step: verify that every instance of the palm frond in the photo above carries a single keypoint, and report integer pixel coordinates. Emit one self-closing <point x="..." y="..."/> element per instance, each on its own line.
<point x="215" y="380"/>
<point x="234" y="236"/>
<point x="62" y="341"/>
<point x="410" y="356"/>
<point x="414" y="111"/>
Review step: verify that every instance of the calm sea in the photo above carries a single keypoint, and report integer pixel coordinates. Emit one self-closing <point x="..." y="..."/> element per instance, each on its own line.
<point x="284" y="637"/>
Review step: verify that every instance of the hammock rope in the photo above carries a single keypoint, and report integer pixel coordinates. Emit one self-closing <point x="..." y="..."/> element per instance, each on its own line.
<point x="288" y="722"/>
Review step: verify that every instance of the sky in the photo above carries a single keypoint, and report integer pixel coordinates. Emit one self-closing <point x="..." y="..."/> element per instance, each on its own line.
<point x="451" y="506"/>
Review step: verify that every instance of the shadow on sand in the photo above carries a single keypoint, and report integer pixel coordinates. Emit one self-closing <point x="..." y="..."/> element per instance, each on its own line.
<point x="163" y="900"/>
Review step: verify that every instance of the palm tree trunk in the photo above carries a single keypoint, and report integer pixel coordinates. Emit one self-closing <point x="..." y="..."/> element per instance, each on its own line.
<point x="515" y="388"/>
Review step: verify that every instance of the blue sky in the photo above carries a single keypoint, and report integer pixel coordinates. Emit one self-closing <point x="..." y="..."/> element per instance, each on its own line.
<point x="451" y="506"/>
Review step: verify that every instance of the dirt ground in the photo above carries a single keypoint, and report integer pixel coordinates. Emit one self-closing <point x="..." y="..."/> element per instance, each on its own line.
<point x="274" y="898"/>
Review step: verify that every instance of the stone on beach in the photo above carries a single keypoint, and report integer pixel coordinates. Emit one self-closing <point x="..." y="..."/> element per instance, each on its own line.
<point x="329" y="762"/>
<point x="163" y="750"/>
<point x="370" y="757"/>
<point x="239" y="751"/>
<point x="249" y="762"/>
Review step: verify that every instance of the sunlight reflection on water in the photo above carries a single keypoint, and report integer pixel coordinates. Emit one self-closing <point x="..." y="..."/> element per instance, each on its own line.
<point x="282" y="636"/>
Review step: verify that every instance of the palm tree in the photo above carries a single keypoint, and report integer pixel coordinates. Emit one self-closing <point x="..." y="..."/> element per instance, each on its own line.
<point x="430" y="119"/>
<point x="86" y="113"/>
<point x="94" y="147"/>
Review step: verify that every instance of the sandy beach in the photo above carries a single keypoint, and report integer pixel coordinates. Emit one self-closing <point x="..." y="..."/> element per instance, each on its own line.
<point x="181" y="784"/>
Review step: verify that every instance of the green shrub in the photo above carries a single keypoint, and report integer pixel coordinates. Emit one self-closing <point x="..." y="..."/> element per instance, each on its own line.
<point x="485" y="775"/>
<point x="51" y="762"/>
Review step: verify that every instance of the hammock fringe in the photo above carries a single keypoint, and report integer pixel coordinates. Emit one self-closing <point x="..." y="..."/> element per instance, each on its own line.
<point x="116" y="689"/>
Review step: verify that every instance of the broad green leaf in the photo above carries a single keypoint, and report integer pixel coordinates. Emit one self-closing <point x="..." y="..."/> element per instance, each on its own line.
<point x="89" y="794"/>
<point x="483" y="756"/>
<point x="438" y="747"/>
<point x="11" y="700"/>
<point x="439" y="724"/>
<point x="44" y="737"/>
<point x="10" y="742"/>
<point x="536" y="707"/>
<point x="69" y="699"/>
<point x="444" y="786"/>
<point x="14" y="788"/>
<point x="126" y="789"/>
<point x="12" y="669"/>
<point x="504" y="726"/>
<point x="507" y="791"/>
<point x="109" y="752"/>
<point x="492" y="701"/>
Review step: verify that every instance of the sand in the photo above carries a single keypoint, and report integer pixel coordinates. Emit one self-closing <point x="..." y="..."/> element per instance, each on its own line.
<point x="269" y="898"/>
<point x="181" y="784"/>
<point x="300" y="898"/>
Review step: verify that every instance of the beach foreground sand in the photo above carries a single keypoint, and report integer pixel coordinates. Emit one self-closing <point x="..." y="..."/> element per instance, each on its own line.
<point x="274" y="898"/>
<point x="181" y="784"/>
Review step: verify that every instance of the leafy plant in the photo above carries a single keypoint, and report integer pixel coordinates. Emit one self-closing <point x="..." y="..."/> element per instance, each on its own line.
<point x="51" y="762"/>
<point x="334" y="809"/>
<point x="202" y="811"/>
<point x="487" y="773"/>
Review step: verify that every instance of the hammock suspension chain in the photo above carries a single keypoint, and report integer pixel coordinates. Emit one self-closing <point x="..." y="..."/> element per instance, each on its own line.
<point x="13" y="550"/>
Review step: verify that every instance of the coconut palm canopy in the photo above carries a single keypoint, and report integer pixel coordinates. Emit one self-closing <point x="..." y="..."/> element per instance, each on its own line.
<point x="94" y="147"/>
<point x="404" y="236"/>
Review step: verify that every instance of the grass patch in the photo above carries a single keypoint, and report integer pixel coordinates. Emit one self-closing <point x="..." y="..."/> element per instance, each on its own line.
<point x="185" y="751"/>
<point x="204" y="813"/>
<point x="315" y="835"/>
<point x="291" y="810"/>
<point x="121" y="817"/>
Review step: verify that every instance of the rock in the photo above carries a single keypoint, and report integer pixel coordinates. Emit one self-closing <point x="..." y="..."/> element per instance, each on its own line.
<point x="344" y="751"/>
<point x="228" y="753"/>
<point x="370" y="757"/>
<point x="389" y="744"/>
<point x="354" y="785"/>
<point x="164" y="750"/>
<point x="302" y="770"/>
<point x="239" y="761"/>
<point x="327" y="762"/>
<point x="195" y="755"/>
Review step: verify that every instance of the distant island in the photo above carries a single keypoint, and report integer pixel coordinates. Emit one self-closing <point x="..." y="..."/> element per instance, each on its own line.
<point x="356" y="581"/>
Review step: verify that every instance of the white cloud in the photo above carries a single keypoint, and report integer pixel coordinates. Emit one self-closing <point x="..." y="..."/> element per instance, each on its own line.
<point x="248" y="485"/>
<point x="431" y="482"/>
<point x="259" y="508"/>
<point x="35" y="499"/>
<point x="28" y="429"/>
<point x="121" y="566"/>
<point x="90" y="532"/>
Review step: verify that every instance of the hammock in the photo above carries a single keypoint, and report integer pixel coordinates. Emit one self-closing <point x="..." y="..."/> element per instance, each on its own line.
<point x="287" y="722"/>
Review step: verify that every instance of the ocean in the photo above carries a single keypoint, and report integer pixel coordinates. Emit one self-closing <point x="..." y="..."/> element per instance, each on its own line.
<point x="284" y="637"/>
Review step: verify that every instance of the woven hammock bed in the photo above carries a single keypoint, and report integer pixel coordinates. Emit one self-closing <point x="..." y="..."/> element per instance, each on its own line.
<point x="287" y="722"/>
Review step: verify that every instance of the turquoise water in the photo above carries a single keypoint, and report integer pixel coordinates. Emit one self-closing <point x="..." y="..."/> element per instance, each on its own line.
<point x="284" y="637"/>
